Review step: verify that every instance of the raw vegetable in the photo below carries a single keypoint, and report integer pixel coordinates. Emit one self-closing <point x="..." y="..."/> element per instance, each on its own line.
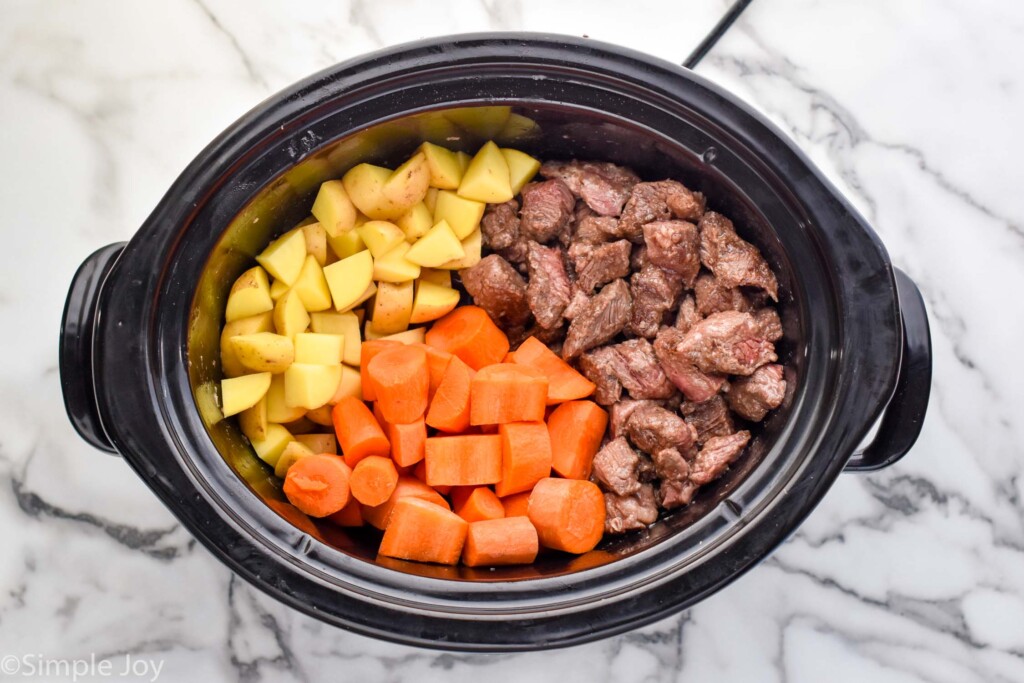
<point x="496" y="542"/>
<point x="408" y="442"/>
<point x="525" y="456"/>
<point x="290" y="317"/>
<point x="250" y="295"/>
<point x="284" y="257"/>
<point x="400" y="381"/>
<point x="424" y="532"/>
<point x="333" y="208"/>
<point x="359" y="434"/>
<point x="469" y="333"/>
<point x="487" y="178"/>
<point x="564" y="383"/>
<point x="467" y="460"/>
<point x="270" y="447"/>
<point x="232" y="367"/>
<point x="309" y="386"/>
<point x="349" y="278"/>
<point x="350" y="515"/>
<point x="368" y="351"/>
<point x="292" y="453"/>
<point x="432" y="301"/>
<point x="480" y="503"/>
<point x="239" y="393"/>
<point x="516" y="505"/>
<point x="568" y="514"/>
<point x="407" y="487"/>
<point x="449" y="406"/>
<point x="392" y="307"/>
<point x="373" y="480"/>
<point x="576" y="430"/>
<point x="507" y="392"/>
<point x="318" y="484"/>
<point x="264" y="351"/>
<point x="319" y="443"/>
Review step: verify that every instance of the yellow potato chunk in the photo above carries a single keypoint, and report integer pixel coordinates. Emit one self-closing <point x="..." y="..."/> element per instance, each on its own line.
<point x="345" y="325"/>
<point x="334" y="209"/>
<point x="415" y="222"/>
<point x="411" y="336"/>
<point x="349" y="278"/>
<point x="319" y="349"/>
<point x="292" y="453"/>
<point x="430" y="200"/>
<point x="472" y="245"/>
<point x="310" y="386"/>
<point x="464" y="160"/>
<point x="394" y="266"/>
<point x="351" y="384"/>
<point x="277" y="409"/>
<point x="232" y="367"/>
<point x="290" y="316"/>
<point x="380" y="237"/>
<point x="438" y="246"/>
<point x="487" y="178"/>
<point x="442" y="278"/>
<point x="445" y="169"/>
<point x="319" y="443"/>
<point x="408" y="184"/>
<point x="269" y="449"/>
<point x="392" y="307"/>
<point x="463" y="215"/>
<point x="239" y="393"/>
<point x="249" y="296"/>
<point x="312" y="286"/>
<point x="321" y="416"/>
<point x="253" y="421"/>
<point x="347" y="244"/>
<point x="370" y="290"/>
<point x="278" y="289"/>
<point x="432" y="301"/>
<point x="316" y="242"/>
<point x="521" y="168"/>
<point x="264" y="351"/>
<point x="365" y="186"/>
<point x="284" y="257"/>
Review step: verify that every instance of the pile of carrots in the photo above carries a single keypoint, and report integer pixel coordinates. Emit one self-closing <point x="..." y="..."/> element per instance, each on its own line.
<point x="461" y="450"/>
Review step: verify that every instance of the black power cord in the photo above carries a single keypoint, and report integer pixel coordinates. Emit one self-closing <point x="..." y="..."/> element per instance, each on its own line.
<point x="716" y="33"/>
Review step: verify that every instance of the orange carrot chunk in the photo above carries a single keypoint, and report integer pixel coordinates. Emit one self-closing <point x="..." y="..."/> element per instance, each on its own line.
<point x="437" y="363"/>
<point x="576" y="430"/>
<point x="449" y="409"/>
<point x="568" y="514"/>
<point x="469" y="333"/>
<point x="481" y="503"/>
<point x="367" y="350"/>
<point x="525" y="456"/>
<point x="472" y="460"/>
<point x="379" y="416"/>
<point x="495" y="542"/>
<point x="350" y="515"/>
<point x="318" y="485"/>
<point x="373" y="480"/>
<point x="516" y="505"/>
<point x="400" y="382"/>
<point x="359" y="434"/>
<point x="424" y="532"/>
<point x="408" y="442"/>
<point x="507" y="392"/>
<point x="407" y="487"/>
<point x="564" y="383"/>
<point x="420" y="472"/>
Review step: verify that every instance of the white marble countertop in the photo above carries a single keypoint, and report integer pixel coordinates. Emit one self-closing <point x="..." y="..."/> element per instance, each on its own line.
<point x="915" y="573"/>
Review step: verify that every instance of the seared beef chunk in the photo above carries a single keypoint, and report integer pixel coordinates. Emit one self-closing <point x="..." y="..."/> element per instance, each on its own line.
<point x="500" y="230"/>
<point x="713" y="297"/>
<point x="675" y="246"/>
<point x="670" y="465"/>
<point x="673" y="470"/>
<point x="687" y="316"/>
<point x="660" y="201"/>
<point x="604" y="187"/>
<point x="734" y="261"/>
<point x="682" y="202"/>
<point x="680" y="369"/>
<point x="619" y="414"/>
<point x="600" y="320"/>
<point x="673" y="494"/>
<point x="654" y="293"/>
<point x="752" y="397"/>
<point x="599" y="367"/>
<point x="577" y="302"/>
<point x="716" y="455"/>
<point x="497" y="288"/>
<point x="727" y="343"/>
<point x="596" y="229"/>
<point x="637" y="369"/>
<point x="547" y="210"/>
<point x="652" y="428"/>
<point x="771" y="325"/>
<point x="596" y="265"/>
<point x="710" y="418"/>
<point x="639" y="258"/>
<point x="548" y="291"/>
<point x="629" y="513"/>
<point x="615" y="467"/>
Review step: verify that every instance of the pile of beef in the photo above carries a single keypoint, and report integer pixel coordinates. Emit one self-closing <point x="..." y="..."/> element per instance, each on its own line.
<point x="658" y="302"/>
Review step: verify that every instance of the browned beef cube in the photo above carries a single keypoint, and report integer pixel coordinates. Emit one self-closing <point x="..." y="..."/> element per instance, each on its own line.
<point x="547" y="210"/>
<point x="600" y="319"/>
<point x="752" y="397"/>
<point x="710" y="418"/>
<point x="497" y="288"/>
<point x="630" y="513"/>
<point x="636" y="367"/>
<point x="500" y="231"/>
<point x="684" y="203"/>
<point x="549" y="290"/>
<point x="660" y="201"/>
<point x="653" y="428"/>
<point x="713" y="297"/>
<point x="687" y="316"/>
<point x="619" y="414"/>
<point x="674" y="494"/>
<point x="599" y="367"/>
<point x="674" y="246"/>
<point x="768" y="320"/>
<point x="727" y="343"/>
<point x="596" y="229"/>
<point x="733" y="260"/>
<point x="603" y="186"/>
<point x="638" y="260"/>
<point x="716" y="455"/>
<point x="655" y="291"/>
<point x="670" y="465"/>
<point x="578" y="301"/>
<point x="680" y="369"/>
<point x="597" y="265"/>
<point x="615" y="467"/>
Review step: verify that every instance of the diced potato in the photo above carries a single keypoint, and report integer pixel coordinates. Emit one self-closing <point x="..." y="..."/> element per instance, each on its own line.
<point x="264" y="351"/>
<point x="285" y="256"/>
<point x="239" y="393"/>
<point x="290" y="316"/>
<point x="229" y="363"/>
<point x="334" y="209"/>
<point x="521" y="168"/>
<point x="392" y="307"/>
<point x="308" y="220"/>
<point x="319" y="443"/>
<point x="321" y="416"/>
<point x="312" y="287"/>
<point x="442" y="278"/>
<point x="415" y="222"/>
<point x="366" y="185"/>
<point x="349" y="278"/>
<point x="351" y="384"/>
<point x="319" y="349"/>
<point x="277" y="410"/>
<point x="430" y="199"/>
<point x="278" y="289"/>
<point x="464" y="160"/>
<point x="445" y="170"/>
<point x="253" y="421"/>
<point x="484" y="122"/>
<point x="394" y="266"/>
<point x="463" y="215"/>
<point x="414" y="335"/>
<point x="347" y="244"/>
<point x="408" y="184"/>
<point x="369" y="292"/>
<point x="316" y="242"/>
<point x="439" y="245"/>
<point x="249" y="296"/>
<point x="269" y="449"/>
<point x="292" y="453"/>
<point x="472" y="245"/>
<point x="310" y="386"/>
<point x="345" y="325"/>
<point x="487" y="178"/>
<point x="380" y="237"/>
<point x="432" y="301"/>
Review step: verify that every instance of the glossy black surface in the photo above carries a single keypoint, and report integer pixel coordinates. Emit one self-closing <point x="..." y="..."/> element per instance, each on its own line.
<point x="155" y="361"/>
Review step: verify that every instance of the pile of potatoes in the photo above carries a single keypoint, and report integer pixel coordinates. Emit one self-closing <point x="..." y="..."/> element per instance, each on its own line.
<point x="373" y="260"/>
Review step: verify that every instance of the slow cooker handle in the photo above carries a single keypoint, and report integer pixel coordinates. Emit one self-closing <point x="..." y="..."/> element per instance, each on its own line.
<point x="904" y="416"/>
<point x="76" y="342"/>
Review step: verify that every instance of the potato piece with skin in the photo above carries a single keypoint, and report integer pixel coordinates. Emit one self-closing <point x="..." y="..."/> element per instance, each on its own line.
<point x="269" y="449"/>
<point x="249" y="296"/>
<point x="351" y="384"/>
<point x="472" y="246"/>
<point x="321" y="416"/>
<point x="394" y="266"/>
<point x="392" y="307"/>
<point x="278" y="289"/>
<point x="345" y="245"/>
<point x="240" y="393"/>
<point x="264" y="351"/>
<point x="290" y="316"/>
<point x="432" y="302"/>
<point x="319" y="349"/>
<point x="349" y="278"/>
<point x="380" y="237"/>
<point x="334" y="209"/>
<point x="253" y="421"/>
<point x="277" y="410"/>
<point x="464" y="160"/>
<point x="292" y="453"/>
<point x="415" y="222"/>
<point x="408" y="184"/>
<point x="365" y="186"/>
<point x="441" y="278"/>
<point x="316" y="242"/>
<point x="521" y="168"/>
<point x="438" y="246"/>
<point x="430" y="200"/>
<point x="319" y="443"/>
<point x="416" y="335"/>
<point x="312" y="286"/>
<point x="445" y="169"/>
<point x="229" y="363"/>
<point x="285" y="256"/>
<point x="310" y="386"/>
<point x="345" y="325"/>
<point x="370" y="291"/>
<point x="462" y="215"/>
<point x="487" y="178"/>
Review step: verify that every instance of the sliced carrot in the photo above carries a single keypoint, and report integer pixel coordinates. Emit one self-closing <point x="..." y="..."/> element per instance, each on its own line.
<point x="481" y="503"/>
<point x="576" y="430"/>
<point x="408" y="442"/>
<point x="373" y="480"/>
<point x="495" y="542"/>
<point x="525" y="456"/>
<point x="463" y="460"/>
<point x="407" y="487"/>
<point x="568" y="514"/>
<point x="507" y="392"/>
<point x="516" y="505"/>
<point x="400" y="381"/>
<point x="424" y="532"/>
<point x="437" y="363"/>
<point x="367" y="350"/>
<point x="420" y="472"/>
<point x="449" y="409"/>
<point x="359" y="434"/>
<point x="379" y="416"/>
<point x="564" y="383"/>
<point x="469" y="333"/>
<point x="318" y="484"/>
<point x="350" y="515"/>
